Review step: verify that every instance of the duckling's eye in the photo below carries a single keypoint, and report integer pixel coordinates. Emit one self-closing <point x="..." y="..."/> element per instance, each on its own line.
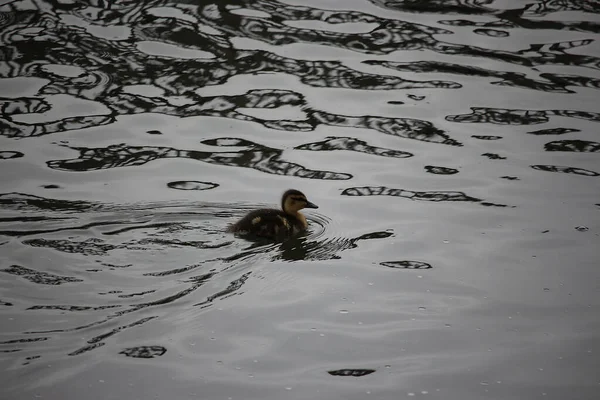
<point x="299" y="199"/>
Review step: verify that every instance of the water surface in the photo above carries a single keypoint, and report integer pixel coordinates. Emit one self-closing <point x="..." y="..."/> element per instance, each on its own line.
<point x="452" y="148"/>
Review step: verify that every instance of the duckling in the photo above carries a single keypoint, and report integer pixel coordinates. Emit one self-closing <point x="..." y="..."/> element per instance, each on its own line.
<point x="272" y="223"/>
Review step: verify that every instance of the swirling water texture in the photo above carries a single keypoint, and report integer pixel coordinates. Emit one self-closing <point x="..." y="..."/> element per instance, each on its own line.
<point x="421" y="128"/>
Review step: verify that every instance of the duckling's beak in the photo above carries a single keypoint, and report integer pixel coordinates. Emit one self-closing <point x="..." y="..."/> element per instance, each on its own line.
<point x="311" y="205"/>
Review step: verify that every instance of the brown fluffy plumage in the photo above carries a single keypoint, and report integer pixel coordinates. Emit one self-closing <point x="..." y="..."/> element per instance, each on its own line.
<point x="272" y="223"/>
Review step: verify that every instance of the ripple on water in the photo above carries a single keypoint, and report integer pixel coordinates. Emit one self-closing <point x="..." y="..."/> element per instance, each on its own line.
<point x="492" y="32"/>
<point x="579" y="146"/>
<point x="7" y="155"/>
<point x="553" y="131"/>
<point x="566" y="170"/>
<point x="39" y="277"/>
<point x="351" y="372"/>
<point x="192" y="185"/>
<point x="240" y="97"/>
<point x="144" y="351"/>
<point x="433" y="169"/>
<point x="406" y="264"/>
<point x="118" y="241"/>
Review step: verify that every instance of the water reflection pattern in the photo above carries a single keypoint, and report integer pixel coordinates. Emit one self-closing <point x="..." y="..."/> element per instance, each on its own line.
<point x="554" y="83"/>
<point x="42" y="278"/>
<point x="584" y="146"/>
<point x="505" y="18"/>
<point x="261" y="158"/>
<point x="144" y="351"/>
<point x="412" y="195"/>
<point x="68" y="47"/>
<point x="145" y="230"/>
<point x="348" y="143"/>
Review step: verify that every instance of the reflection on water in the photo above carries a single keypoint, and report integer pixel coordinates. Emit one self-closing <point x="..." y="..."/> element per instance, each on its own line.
<point x="553" y="131"/>
<point x="517" y="117"/>
<point x="567" y="170"/>
<point x="370" y="103"/>
<point x="554" y="83"/>
<point x="38" y="277"/>
<point x="351" y="372"/>
<point x="259" y="157"/>
<point x="144" y="351"/>
<point x="585" y="146"/>
<point x="423" y="196"/>
<point x="115" y="229"/>
<point x="440" y="170"/>
<point x="5" y="155"/>
<point x="352" y="144"/>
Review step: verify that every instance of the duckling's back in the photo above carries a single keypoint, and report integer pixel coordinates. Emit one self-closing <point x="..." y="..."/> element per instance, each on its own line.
<point x="269" y="223"/>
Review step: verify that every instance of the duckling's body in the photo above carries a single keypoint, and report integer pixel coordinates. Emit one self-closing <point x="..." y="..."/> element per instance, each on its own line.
<point x="272" y="223"/>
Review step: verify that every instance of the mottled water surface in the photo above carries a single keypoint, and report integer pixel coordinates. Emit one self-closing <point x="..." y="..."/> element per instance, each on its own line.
<point x="452" y="147"/>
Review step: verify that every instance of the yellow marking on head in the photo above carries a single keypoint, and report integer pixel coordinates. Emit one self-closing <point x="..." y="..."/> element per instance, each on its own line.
<point x="256" y="220"/>
<point x="294" y="203"/>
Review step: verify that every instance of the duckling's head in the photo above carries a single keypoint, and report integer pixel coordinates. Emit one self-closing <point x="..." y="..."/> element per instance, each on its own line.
<point x="293" y="201"/>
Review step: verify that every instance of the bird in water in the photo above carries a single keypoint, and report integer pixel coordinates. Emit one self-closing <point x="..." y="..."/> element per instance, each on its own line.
<point x="272" y="223"/>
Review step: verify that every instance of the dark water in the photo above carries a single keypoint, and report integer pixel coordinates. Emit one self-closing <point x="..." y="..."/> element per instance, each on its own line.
<point x="452" y="147"/>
